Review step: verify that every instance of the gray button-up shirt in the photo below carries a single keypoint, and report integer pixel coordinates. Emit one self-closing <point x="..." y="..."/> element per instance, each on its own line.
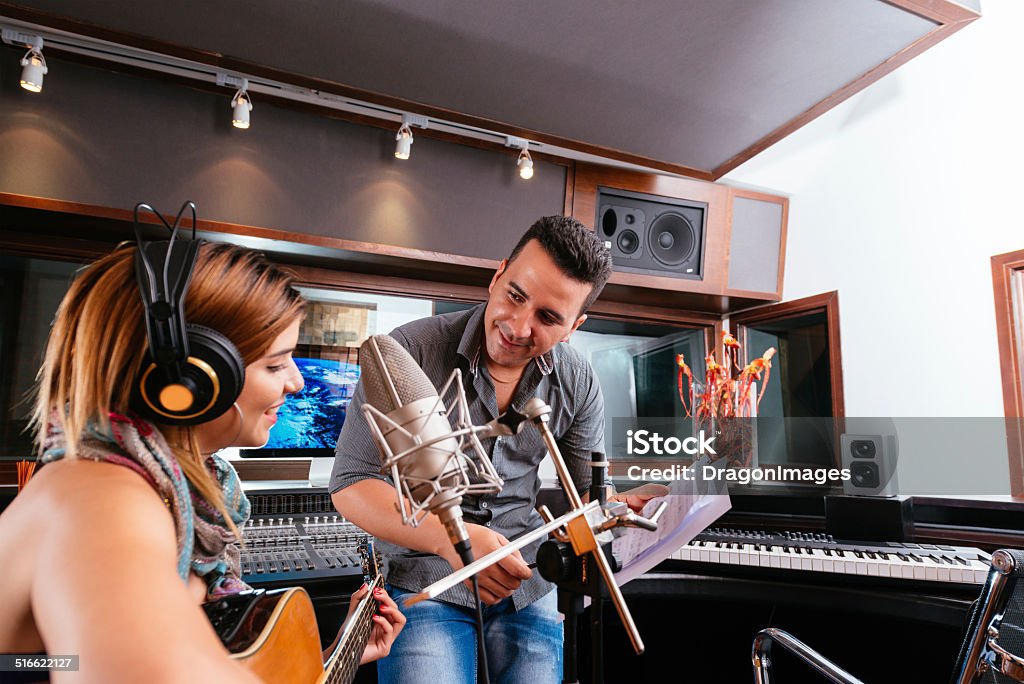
<point x="562" y="378"/>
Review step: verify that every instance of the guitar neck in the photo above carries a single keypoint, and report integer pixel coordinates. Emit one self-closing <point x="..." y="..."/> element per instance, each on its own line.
<point x="343" y="662"/>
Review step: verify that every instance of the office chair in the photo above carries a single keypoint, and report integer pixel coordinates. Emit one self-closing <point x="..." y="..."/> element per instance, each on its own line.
<point x="995" y="632"/>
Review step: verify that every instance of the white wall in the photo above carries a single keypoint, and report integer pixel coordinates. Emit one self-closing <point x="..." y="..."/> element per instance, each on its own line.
<point x="899" y="198"/>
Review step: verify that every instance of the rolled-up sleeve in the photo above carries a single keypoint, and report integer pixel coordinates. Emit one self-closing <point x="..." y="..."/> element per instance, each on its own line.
<point x="585" y="433"/>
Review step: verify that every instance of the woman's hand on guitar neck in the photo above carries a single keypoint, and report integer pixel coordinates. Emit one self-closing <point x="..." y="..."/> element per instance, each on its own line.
<point x="387" y="623"/>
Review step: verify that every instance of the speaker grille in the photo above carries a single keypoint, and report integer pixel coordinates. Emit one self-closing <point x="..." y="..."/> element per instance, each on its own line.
<point x="755" y="244"/>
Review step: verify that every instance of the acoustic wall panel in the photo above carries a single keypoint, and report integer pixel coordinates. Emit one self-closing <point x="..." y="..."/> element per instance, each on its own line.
<point x="754" y="245"/>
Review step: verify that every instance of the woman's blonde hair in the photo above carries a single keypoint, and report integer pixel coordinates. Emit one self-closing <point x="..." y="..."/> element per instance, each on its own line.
<point x="98" y="341"/>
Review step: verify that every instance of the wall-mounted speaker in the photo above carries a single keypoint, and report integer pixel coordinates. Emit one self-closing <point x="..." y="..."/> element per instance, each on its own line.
<point x="651" y="234"/>
<point x="871" y="460"/>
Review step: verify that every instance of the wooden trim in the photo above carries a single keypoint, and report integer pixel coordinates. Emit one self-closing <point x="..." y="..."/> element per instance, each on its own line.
<point x="275" y="234"/>
<point x="639" y="313"/>
<point x="310" y="276"/>
<point x="828" y="303"/>
<point x="935" y="10"/>
<point x="754" y="294"/>
<point x="939" y="11"/>
<point x="727" y="240"/>
<point x="783" y="238"/>
<point x="1003" y="268"/>
<point x="835" y="359"/>
<point x="36" y="246"/>
<point x="570" y="189"/>
<point x="714" y="343"/>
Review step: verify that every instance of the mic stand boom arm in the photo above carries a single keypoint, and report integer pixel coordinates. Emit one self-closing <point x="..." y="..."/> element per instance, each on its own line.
<point x="464" y="573"/>
<point x="579" y="531"/>
<point x="577" y="527"/>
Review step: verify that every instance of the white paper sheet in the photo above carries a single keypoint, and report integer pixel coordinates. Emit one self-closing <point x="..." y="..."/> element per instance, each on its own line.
<point x="687" y="516"/>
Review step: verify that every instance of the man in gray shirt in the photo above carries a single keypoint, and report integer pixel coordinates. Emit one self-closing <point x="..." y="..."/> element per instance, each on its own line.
<point x="509" y="351"/>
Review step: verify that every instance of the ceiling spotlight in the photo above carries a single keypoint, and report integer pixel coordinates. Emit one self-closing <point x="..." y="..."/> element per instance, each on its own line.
<point x="403" y="142"/>
<point x="525" y="161"/>
<point x="33" y="67"/>
<point x="403" y="139"/>
<point x="525" y="164"/>
<point x="241" y="105"/>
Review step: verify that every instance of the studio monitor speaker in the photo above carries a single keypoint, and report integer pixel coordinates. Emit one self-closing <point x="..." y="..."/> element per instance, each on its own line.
<point x="871" y="460"/>
<point x="652" y="235"/>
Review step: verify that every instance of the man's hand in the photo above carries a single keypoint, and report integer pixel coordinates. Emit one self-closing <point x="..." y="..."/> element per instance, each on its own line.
<point x="498" y="581"/>
<point x="638" y="497"/>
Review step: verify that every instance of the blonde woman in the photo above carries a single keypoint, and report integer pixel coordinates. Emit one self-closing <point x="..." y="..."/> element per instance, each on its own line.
<point x="128" y="527"/>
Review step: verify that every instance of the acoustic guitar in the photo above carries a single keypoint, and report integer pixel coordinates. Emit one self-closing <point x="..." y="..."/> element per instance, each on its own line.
<point x="275" y="635"/>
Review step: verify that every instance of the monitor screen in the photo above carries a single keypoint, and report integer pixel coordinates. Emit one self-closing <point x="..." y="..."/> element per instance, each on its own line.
<point x="309" y="422"/>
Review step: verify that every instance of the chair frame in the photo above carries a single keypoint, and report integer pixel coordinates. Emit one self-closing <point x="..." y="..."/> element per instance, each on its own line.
<point x="979" y="653"/>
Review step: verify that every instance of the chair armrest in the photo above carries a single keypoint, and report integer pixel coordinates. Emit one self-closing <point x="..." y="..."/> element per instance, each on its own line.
<point x="760" y="657"/>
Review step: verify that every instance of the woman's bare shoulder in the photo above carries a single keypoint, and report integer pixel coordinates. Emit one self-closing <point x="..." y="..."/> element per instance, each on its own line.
<point x="111" y="587"/>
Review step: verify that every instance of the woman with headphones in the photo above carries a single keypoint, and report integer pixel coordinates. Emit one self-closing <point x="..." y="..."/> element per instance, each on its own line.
<point x="114" y="544"/>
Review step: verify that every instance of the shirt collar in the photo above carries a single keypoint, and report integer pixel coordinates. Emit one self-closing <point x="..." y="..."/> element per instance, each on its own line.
<point x="469" y="345"/>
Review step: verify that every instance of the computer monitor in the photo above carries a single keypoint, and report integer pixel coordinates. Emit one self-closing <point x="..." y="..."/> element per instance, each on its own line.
<point x="309" y="422"/>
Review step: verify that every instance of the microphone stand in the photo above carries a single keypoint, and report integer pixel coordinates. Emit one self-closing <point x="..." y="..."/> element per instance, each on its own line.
<point x="575" y="580"/>
<point x="582" y="535"/>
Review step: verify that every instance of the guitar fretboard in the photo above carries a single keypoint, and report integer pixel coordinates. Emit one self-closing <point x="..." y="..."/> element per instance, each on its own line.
<point x="344" y="661"/>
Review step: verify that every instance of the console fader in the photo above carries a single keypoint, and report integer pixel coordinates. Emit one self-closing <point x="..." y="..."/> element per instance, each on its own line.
<point x="296" y="535"/>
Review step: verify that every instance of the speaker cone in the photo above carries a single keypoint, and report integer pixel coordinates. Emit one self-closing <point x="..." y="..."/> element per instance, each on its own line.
<point x="628" y="241"/>
<point x="862" y="448"/>
<point x="671" y="239"/>
<point x="865" y="474"/>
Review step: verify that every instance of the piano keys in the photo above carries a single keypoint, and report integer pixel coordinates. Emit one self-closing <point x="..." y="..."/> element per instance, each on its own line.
<point x="820" y="553"/>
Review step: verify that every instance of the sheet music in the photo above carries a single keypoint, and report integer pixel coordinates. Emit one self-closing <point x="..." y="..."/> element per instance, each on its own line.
<point x="688" y="514"/>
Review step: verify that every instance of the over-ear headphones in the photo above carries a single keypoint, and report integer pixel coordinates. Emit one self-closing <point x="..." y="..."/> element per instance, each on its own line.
<point x="191" y="374"/>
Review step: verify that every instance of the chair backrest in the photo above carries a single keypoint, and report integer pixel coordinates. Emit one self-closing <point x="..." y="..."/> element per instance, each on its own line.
<point x="993" y="648"/>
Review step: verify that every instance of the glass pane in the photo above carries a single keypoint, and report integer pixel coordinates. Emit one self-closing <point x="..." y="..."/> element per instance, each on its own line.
<point x="337" y="322"/>
<point x="30" y="291"/>
<point x="636" y="366"/>
<point x="800" y="386"/>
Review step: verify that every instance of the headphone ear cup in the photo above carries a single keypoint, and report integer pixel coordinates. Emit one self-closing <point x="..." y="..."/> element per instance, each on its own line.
<point x="211" y="351"/>
<point x="210" y="382"/>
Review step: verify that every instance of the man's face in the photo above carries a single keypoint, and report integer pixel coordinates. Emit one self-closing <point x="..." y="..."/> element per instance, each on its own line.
<point x="532" y="307"/>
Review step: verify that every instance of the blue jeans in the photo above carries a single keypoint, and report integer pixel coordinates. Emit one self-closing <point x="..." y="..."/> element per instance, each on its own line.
<point x="438" y="644"/>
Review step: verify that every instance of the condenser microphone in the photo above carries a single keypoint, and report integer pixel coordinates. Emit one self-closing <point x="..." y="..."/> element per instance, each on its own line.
<point x="410" y="424"/>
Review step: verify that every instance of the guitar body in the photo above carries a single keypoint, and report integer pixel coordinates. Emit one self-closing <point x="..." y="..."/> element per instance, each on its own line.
<point x="273" y="633"/>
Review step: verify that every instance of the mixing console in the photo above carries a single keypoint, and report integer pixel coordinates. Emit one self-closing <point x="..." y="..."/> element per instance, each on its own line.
<point x="294" y="537"/>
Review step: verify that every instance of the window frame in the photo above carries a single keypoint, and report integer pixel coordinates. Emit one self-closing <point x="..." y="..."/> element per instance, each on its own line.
<point x="1004" y="266"/>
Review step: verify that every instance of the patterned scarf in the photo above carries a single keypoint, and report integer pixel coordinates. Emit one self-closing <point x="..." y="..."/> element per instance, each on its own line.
<point x="205" y="542"/>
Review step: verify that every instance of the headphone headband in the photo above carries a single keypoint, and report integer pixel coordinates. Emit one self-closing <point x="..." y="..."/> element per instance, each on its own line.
<point x="193" y="374"/>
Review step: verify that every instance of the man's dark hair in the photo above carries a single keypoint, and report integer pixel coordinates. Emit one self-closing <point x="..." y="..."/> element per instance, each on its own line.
<point x="574" y="248"/>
